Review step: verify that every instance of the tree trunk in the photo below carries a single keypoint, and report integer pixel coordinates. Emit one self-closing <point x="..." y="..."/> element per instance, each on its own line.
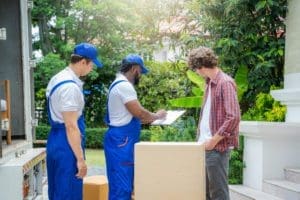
<point x="44" y="35"/>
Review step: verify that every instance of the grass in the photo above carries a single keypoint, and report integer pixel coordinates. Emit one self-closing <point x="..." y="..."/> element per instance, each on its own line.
<point x="95" y="157"/>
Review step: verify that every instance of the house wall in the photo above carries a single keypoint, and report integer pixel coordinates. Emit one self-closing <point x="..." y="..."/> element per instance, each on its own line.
<point x="11" y="62"/>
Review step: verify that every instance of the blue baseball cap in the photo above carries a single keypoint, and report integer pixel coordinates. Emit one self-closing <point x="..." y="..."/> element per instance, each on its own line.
<point x="89" y="51"/>
<point x="136" y="59"/>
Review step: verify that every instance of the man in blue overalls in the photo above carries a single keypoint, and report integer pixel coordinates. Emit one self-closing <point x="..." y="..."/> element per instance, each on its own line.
<point x="124" y="117"/>
<point x="65" y="145"/>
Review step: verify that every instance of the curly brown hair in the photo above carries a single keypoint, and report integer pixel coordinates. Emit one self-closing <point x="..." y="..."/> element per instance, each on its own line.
<point x="202" y="57"/>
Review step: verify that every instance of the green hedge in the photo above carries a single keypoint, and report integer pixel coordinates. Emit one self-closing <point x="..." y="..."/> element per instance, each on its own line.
<point x="94" y="136"/>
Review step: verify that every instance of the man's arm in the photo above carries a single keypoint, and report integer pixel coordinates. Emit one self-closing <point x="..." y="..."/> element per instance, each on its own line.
<point x="74" y="139"/>
<point x="137" y="110"/>
<point x="231" y="109"/>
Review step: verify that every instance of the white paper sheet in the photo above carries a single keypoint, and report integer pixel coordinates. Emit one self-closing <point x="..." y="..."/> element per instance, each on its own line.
<point x="171" y="117"/>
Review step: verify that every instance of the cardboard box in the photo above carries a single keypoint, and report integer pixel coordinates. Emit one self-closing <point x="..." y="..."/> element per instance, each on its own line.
<point x="95" y="188"/>
<point x="169" y="170"/>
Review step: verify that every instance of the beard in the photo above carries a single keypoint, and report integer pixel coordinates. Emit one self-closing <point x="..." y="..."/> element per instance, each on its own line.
<point x="136" y="79"/>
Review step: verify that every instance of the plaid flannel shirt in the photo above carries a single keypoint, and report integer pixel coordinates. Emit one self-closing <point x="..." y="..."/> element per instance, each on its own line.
<point x="225" y="111"/>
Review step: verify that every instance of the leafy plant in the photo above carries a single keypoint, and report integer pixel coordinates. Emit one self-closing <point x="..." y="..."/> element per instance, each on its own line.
<point x="265" y="109"/>
<point x="45" y="69"/>
<point x="244" y="33"/>
<point x="236" y="164"/>
<point x="241" y="81"/>
<point x="194" y="101"/>
<point x="182" y="130"/>
<point x="198" y="91"/>
<point x="164" y="81"/>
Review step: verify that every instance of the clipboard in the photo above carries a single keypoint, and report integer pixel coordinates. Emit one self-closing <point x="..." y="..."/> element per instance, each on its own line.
<point x="172" y="116"/>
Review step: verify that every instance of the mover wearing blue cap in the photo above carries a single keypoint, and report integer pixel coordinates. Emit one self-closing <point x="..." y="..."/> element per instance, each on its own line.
<point x="66" y="165"/>
<point x="124" y="117"/>
<point x="135" y="59"/>
<point x="89" y="51"/>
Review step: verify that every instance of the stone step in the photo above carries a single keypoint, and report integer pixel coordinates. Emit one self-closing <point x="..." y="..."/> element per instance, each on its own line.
<point x="241" y="192"/>
<point x="292" y="174"/>
<point x="282" y="188"/>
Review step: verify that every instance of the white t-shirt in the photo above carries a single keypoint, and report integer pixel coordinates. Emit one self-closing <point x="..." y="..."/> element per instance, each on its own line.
<point x="119" y="95"/>
<point x="205" y="132"/>
<point x="67" y="97"/>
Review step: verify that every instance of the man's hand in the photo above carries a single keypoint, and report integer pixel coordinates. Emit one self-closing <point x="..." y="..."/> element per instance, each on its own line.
<point x="161" y="114"/>
<point x="210" y="145"/>
<point x="82" y="169"/>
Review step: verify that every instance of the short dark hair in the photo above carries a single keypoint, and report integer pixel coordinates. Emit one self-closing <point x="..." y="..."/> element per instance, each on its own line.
<point x="77" y="58"/>
<point x="126" y="66"/>
<point x="202" y="57"/>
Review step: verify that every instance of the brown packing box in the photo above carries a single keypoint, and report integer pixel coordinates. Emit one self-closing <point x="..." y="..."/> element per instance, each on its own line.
<point x="169" y="170"/>
<point x="95" y="188"/>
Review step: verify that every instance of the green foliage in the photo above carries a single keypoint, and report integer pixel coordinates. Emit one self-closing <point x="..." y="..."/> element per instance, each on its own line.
<point x="145" y="135"/>
<point x="45" y="69"/>
<point x="42" y="132"/>
<point x="126" y="25"/>
<point x="241" y="81"/>
<point x="94" y="136"/>
<point x="196" y="79"/>
<point x="245" y="33"/>
<point x="194" y="101"/>
<point x="182" y="130"/>
<point x="52" y="35"/>
<point x="164" y="81"/>
<point x="265" y="109"/>
<point x="236" y="164"/>
<point x="115" y="27"/>
<point x="187" y="102"/>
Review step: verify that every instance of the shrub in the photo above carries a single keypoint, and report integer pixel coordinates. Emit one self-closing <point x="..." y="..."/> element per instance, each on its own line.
<point x="165" y="81"/>
<point x="94" y="136"/>
<point x="266" y="109"/>
<point x="181" y="131"/>
<point x="236" y="164"/>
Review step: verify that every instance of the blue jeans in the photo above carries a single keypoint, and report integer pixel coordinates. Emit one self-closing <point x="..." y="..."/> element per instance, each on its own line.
<point x="217" y="164"/>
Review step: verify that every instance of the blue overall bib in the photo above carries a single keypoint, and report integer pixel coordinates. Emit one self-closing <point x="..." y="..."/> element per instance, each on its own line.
<point x="61" y="161"/>
<point x="119" y="153"/>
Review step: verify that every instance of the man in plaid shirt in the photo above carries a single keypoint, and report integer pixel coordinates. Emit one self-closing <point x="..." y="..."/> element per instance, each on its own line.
<point x="218" y="126"/>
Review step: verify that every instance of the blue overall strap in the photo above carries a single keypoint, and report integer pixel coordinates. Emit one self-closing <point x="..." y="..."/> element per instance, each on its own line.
<point x="53" y="123"/>
<point x="106" y="119"/>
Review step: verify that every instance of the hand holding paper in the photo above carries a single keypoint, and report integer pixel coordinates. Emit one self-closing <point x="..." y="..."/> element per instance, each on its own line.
<point x="171" y="116"/>
<point x="161" y="114"/>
